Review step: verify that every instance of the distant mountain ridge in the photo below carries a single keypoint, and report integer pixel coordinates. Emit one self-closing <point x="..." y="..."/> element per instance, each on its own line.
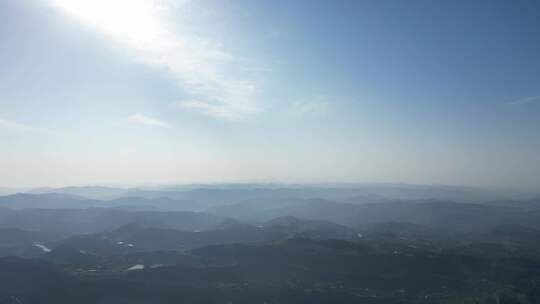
<point x="208" y="194"/>
<point x="71" y="201"/>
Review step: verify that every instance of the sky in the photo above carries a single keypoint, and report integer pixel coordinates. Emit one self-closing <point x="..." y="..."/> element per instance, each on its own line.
<point x="161" y="91"/>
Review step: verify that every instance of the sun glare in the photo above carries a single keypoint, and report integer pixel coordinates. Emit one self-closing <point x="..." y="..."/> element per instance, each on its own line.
<point x="131" y="21"/>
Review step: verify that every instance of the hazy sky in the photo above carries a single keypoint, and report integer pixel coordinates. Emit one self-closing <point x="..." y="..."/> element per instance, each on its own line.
<point x="143" y="91"/>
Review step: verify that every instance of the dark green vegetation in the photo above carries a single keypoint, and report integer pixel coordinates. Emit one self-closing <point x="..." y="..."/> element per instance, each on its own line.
<point x="338" y="245"/>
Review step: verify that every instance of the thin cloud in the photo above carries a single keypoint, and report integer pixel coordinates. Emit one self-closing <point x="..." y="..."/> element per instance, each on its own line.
<point x="206" y="108"/>
<point x="13" y="126"/>
<point x="201" y="67"/>
<point x="212" y="109"/>
<point x="527" y="100"/>
<point x="317" y="105"/>
<point x="147" y="121"/>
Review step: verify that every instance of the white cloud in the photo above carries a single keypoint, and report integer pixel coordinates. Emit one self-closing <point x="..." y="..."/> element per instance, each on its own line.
<point x="24" y="128"/>
<point x="205" y="108"/>
<point x="522" y="101"/>
<point x="317" y="105"/>
<point x="147" y="121"/>
<point x="200" y="66"/>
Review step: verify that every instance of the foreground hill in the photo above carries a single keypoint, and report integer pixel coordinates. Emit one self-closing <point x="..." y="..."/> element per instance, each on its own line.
<point x="289" y="271"/>
<point x="133" y="238"/>
<point x="17" y="242"/>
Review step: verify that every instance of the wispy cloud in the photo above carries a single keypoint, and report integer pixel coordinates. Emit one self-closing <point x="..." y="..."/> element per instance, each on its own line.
<point x="14" y="126"/>
<point x="205" y="71"/>
<point x="523" y="101"/>
<point x="204" y="107"/>
<point x="147" y="121"/>
<point x="231" y="112"/>
<point x="317" y="105"/>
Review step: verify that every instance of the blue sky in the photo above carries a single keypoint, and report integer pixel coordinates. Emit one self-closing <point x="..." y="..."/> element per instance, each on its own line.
<point x="164" y="91"/>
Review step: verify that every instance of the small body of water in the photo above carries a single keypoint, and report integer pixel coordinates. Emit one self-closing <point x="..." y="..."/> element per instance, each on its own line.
<point x="136" y="267"/>
<point x="42" y="247"/>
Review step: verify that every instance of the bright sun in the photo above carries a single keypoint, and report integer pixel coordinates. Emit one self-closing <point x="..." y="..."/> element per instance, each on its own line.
<point x="132" y="21"/>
